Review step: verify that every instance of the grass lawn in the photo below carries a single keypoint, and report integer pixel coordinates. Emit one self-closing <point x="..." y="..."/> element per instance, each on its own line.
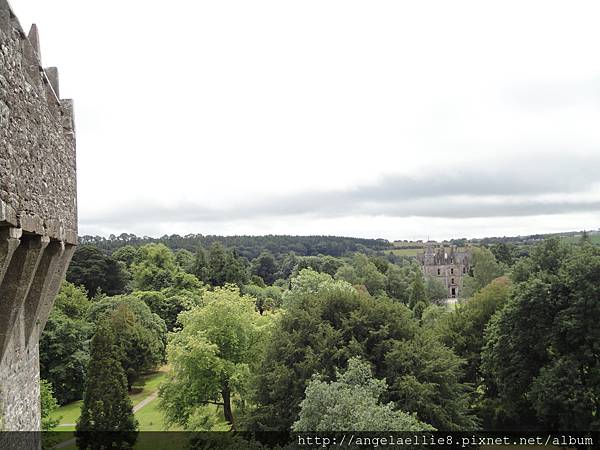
<point x="150" y="418"/>
<point x="406" y="251"/>
<point x="144" y="387"/>
<point x="594" y="239"/>
<point x="69" y="414"/>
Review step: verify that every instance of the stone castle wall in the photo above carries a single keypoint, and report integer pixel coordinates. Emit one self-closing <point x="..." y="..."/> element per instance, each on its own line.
<point x="38" y="213"/>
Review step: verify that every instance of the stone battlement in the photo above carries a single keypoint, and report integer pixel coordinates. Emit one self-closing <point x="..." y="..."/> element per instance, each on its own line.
<point x="37" y="138"/>
<point x="38" y="212"/>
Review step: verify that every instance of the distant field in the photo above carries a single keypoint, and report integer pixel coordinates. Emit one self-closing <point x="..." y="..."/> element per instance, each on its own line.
<point x="405" y="251"/>
<point x="408" y="244"/>
<point x="594" y="239"/>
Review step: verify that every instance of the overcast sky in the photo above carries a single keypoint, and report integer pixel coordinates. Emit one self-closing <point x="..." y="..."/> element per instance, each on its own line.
<point x="393" y="119"/>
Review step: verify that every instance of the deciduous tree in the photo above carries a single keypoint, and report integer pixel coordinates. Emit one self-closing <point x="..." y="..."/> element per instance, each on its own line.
<point x="212" y="357"/>
<point x="352" y="403"/>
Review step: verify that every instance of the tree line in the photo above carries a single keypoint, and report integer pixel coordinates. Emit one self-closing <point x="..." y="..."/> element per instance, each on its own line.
<point x="248" y="246"/>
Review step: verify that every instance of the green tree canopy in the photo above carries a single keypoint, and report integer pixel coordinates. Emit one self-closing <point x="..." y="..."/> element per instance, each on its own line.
<point x="418" y="294"/>
<point x="64" y="355"/>
<point x="265" y="267"/>
<point x="224" y="266"/>
<point x="72" y="301"/>
<point x="463" y="328"/>
<point x="267" y="298"/>
<point x="156" y="268"/>
<point x="363" y="271"/>
<point x="542" y="351"/>
<point x="64" y="344"/>
<point x="324" y="323"/>
<point x="48" y="405"/>
<point x="484" y="268"/>
<point x="398" y="282"/>
<point x="351" y="403"/>
<point x="435" y="290"/>
<point x="140" y="334"/>
<point x="170" y="302"/>
<point x="96" y="271"/>
<point x="211" y="357"/>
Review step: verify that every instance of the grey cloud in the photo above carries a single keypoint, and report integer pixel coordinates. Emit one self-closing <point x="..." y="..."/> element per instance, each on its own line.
<point x="453" y="193"/>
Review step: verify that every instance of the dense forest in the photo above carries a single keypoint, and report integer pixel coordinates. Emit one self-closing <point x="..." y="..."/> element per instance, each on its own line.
<point x="353" y="339"/>
<point x="248" y="246"/>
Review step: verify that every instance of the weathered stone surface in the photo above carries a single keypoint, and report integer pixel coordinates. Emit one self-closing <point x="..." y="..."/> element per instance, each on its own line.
<point x="447" y="265"/>
<point x="37" y="149"/>
<point x="38" y="215"/>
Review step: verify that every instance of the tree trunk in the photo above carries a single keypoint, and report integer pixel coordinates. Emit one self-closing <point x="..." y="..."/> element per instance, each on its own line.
<point x="226" y="394"/>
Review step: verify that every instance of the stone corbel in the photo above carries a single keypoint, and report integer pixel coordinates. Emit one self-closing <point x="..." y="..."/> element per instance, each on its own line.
<point x="16" y="283"/>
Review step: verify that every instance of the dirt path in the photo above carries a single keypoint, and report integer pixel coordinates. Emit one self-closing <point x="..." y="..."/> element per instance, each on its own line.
<point x="144" y="402"/>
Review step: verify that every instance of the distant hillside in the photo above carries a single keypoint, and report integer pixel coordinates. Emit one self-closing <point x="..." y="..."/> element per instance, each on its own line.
<point x="249" y="246"/>
<point x="412" y="248"/>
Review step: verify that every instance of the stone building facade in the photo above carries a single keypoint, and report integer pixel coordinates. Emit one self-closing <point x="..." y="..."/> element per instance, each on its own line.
<point x="446" y="264"/>
<point x="38" y="213"/>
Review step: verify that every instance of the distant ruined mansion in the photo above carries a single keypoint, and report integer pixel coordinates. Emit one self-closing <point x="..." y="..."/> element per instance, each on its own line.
<point x="38" y="214"/>
<point x="446" y="264"/>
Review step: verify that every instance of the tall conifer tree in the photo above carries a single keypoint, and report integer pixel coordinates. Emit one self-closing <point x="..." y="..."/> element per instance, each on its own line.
<point x="106" y="420"/>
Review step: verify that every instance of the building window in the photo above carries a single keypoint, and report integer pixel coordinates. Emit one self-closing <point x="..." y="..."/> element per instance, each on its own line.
<point x="452" y="270"/>
<point x="453" y="292"/>
<point x="464" y="270"/>
<point x="439" y="272"/>
<point x="452" y="280"/>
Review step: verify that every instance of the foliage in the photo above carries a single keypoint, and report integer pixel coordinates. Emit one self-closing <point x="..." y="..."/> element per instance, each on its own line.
<point x="436" y="292"/>
<point x="224" y="267"/>
<point x="398" y="282"/>
<point x="94" y="270"/>
<point x="64" y="355"/>
<point x="309" y="282"/>
<point x="140" y="334"/>
<point x="106" y="419"/>
<point x="250" y="247"/>
<point x="351" y="403"/>
<point x="170" y="302"/>
<point x="48" y="405"/>
<point x="72" y="301"/>
<point x="320" y="263"/>
<point x="326" y="322"/>
<point x="505" y="253"/>
<point x="463" y="328"/>
<point x="156" y="269"/>
<point x="212" y="357"/>
<point x="417" y="293"/>
<point x="201" y="269"/>
<point x="362" y="271"/>
<point x="267" y="298"/>
<point x="425" y="377"/>
<point x="264" y="266"/>
<point x="127" y="254"/>
<point x="185" y="260"/>
<point x="542" y="352"/>
<point x="484" y="269"/>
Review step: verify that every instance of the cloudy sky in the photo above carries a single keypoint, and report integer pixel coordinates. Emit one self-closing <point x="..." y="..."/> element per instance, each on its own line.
<point x="393" y="119"/>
